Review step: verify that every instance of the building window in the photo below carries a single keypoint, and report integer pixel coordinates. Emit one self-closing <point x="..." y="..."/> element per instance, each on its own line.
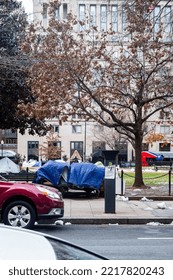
<point x="57" y="13"/>
<point x="8" y="133"/>
<point x="45" y="6"/>
<point x="114" y="20"/>
<point x="103" y="17"/>
<point x="10" y="141"/>
<point x="165" y="129"/>
<point x="76" y="129"/>
<point x="55" y="144"/>
<point x="161" y="115"/>
<point x="98" y="145"/>
<point x="82" y="16"/>
<point x="155" y="17"/>
<point x="124" y="24"/>
<point x="167" y="24"/>
<point x="164" y="147"/>
<point x="55" y="128"/>
<point x="59" y="144"/>
<point x="65" y="11"/>
<point x="145" y="147"/>
<point x="92" y="15"/>
<point x="76" y="145"/>
<point x="77" y="116"/>
<point x="54" y="150"/>
<point x="33" y="150"/>
<point x="98" y="128"/>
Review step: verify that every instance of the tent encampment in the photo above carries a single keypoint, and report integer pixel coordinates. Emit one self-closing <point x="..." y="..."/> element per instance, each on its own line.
<point x="8" y="153"/>
<point x="8" y="166"/>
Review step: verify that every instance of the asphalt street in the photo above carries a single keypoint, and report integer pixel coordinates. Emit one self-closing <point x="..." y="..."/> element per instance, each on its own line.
<point x="119" y="242"/>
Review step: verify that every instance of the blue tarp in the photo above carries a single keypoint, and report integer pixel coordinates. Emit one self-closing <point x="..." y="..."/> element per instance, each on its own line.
<point x="79" y="174"/>
<point x="51" y="171"/>
<point x="86" y="175"/>
<point x="37" y="164"/>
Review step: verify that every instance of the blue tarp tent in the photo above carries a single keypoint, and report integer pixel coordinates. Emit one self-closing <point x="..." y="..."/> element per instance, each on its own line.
<point x="52" y="171"/>
<point x="80" y="175"/>
<point x="86" y="175"/>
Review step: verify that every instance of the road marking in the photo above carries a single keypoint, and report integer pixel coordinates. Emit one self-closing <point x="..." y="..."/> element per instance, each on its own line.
<point x="156" y="238"/>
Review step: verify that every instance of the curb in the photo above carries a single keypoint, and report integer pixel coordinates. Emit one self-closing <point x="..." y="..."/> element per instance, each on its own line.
<point x="120" y="221"/>
<point x="159" y="198"/>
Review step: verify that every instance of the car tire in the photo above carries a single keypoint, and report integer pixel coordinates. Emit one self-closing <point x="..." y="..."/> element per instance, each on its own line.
<point x="19" y="214"/>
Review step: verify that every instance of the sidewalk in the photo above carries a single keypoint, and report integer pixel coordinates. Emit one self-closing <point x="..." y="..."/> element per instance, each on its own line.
<point x="128" y="210"/>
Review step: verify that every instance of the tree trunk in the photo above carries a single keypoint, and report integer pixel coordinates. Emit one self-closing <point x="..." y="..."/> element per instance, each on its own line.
<point x="138" y="183"/>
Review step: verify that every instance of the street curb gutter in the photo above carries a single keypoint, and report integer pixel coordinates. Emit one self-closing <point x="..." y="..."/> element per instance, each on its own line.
<point x="159" y="198"/>
<point x="120" y="221"/>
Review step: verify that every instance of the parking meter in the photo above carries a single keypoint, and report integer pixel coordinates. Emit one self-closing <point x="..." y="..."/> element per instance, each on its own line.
<point x="109" y="189"/>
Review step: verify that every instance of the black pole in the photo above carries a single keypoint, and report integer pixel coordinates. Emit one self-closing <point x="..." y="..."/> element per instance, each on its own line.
<point x="2" y="146"/>
<point x="169" y="182"/>
<point x="27" y="170"/>
<point x="85" y="138"/>
<point x="122" y="181"/>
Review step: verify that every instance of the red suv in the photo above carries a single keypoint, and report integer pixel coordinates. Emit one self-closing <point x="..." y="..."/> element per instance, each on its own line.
<point x="22" y="204"/>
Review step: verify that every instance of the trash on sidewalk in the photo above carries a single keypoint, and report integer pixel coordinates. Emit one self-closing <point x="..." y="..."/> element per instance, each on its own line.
<point x="122" y="198"/>
<point x="145" y="199"/>
<point x="161" y="205"/>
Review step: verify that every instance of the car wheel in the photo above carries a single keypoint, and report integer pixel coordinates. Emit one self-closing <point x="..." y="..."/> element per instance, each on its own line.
<point x="19" y="214"/>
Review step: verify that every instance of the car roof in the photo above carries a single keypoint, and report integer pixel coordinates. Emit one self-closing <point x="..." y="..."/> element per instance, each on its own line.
<point x="19" y="244"/>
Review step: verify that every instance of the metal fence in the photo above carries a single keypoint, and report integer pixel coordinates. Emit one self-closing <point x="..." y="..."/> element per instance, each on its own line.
<point x="167" y="174"/>
<point x="21" y="176"/>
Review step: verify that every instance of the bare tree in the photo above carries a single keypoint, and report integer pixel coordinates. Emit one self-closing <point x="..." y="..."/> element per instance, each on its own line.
<point x="111" y="138"/>
<point x="50" y="149"/>
<point x="119" y="79"/>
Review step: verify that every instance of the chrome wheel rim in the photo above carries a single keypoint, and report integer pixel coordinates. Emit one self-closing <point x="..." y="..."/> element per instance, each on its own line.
<point x="19" y="216"/>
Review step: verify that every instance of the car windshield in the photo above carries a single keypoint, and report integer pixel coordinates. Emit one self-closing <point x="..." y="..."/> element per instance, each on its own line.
<point x="65" y="251"/>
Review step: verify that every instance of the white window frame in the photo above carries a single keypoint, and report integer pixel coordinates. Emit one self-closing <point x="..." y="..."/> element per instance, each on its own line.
<point x="167" y="23"/>
<point x="82" y="15"/>
<point x="103" y="18"/>
<point x="77" y="128"/>
<point x="165" y="129"/>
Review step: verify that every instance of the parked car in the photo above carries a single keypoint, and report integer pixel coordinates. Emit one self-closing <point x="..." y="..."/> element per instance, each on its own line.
<point x="22" y="204"/>
<point x="127" y="164"/>
<point x="18" y="244"/>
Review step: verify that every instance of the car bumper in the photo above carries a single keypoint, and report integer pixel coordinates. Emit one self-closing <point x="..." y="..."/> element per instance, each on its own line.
<point x="51" y="217"/>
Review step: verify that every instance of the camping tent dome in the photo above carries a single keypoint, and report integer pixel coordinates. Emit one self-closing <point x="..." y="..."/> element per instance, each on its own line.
<point x="8" y="166"/>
